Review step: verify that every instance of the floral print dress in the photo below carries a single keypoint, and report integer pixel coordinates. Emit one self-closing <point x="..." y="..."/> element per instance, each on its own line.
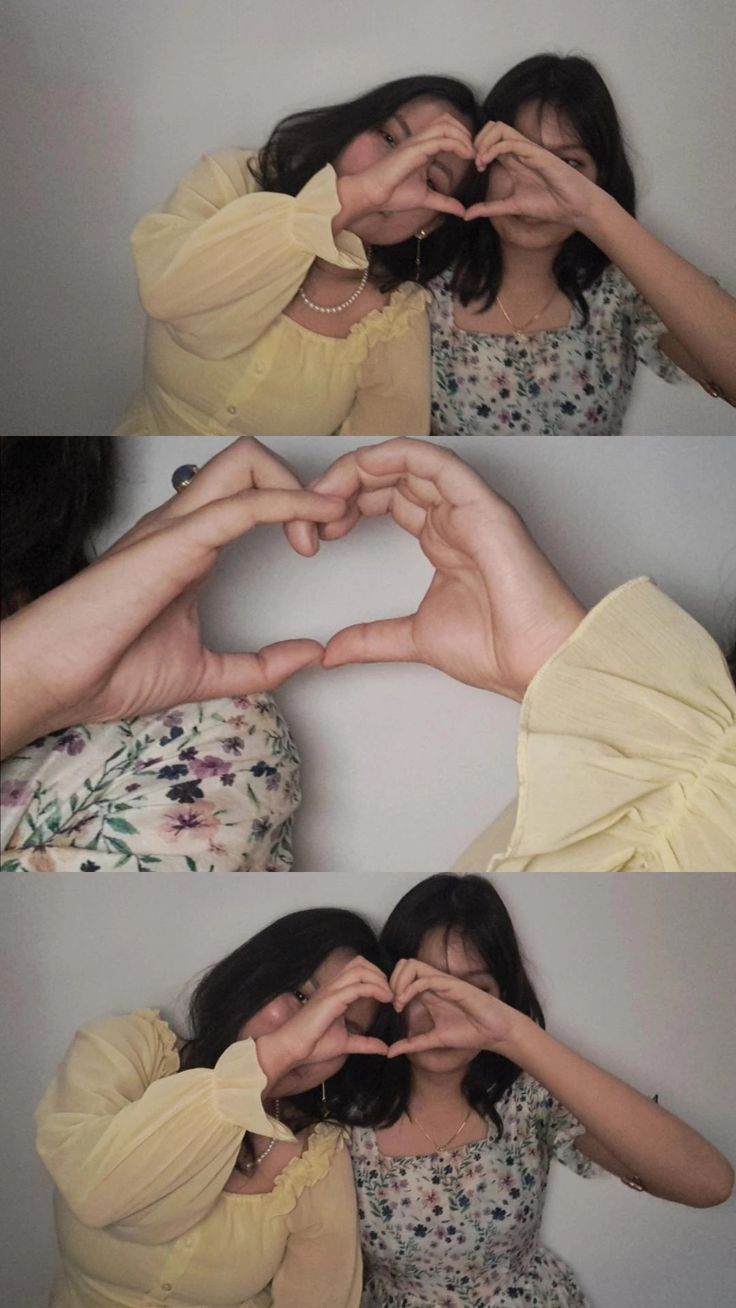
<point x="572" y="382"/>
<point x="203" y="788"/>
<point x="459" y="1229"/>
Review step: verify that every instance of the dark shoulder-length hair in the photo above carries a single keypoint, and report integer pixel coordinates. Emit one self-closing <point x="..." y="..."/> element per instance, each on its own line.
<point x="472" y="908"/>
<point x="55" y="491"/>
<point x="304" y="142"/>
<point x="573" y="86"/>
<point x="275" y="961"/>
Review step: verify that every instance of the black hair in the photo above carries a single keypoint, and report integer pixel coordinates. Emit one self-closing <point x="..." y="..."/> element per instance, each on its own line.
<point x="55" y="491"/>
<point x="573" y="86"/>
<point x="471" y="907"/>
<point x="276" y="960"/>
<point x="304" y="142"/>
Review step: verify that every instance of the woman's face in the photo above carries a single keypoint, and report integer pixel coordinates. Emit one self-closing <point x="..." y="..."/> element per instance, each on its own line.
<point x="358" y="1019"/>
<point x="446" y="171"/>
<point x="451" y="954"/>
<point x="550" y="128"/>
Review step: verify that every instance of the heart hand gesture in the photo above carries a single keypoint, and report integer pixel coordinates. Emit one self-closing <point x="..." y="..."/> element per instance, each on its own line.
<point x="462" y="1016"/>
<point x="544" y="186"/>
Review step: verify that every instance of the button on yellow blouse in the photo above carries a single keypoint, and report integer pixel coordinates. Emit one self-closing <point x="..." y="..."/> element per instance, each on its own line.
<point x="217" y="265"/>
<point x="627" y="750"/>
<point x="140" y="1153"/>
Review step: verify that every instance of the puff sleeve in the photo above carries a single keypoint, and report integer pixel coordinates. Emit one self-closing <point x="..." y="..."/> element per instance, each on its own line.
<point x="222" y="258"/>
<point x="627" y="747"/>
<point x="132" y="1146"/>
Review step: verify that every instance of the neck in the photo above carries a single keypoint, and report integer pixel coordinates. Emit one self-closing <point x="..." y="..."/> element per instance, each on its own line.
<point x="523" y="269"/>
<point x="436" y="1091"/>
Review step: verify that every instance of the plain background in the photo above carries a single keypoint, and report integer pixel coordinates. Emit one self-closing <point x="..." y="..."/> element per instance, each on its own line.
<point x="401" y="766"/>
<point x="106" y="104"/>
<point x="635" y="972"/>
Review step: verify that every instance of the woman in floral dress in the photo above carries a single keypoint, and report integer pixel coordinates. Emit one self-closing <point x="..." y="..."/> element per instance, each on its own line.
<point x="201" y="786"/>
<point x="452" y="1164"/>
<point x="559" y="293"/>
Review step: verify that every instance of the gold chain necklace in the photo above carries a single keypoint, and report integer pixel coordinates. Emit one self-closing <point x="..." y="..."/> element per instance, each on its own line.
<point x="435" y="1144"/>
<point x="519" y="329"/>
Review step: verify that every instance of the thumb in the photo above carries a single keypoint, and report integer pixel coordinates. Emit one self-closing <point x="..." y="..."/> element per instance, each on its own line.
<point x="390" y="640"/>
<point x="247" y="674"/>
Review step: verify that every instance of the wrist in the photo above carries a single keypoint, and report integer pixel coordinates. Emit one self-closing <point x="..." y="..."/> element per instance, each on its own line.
<point x="273" y="1059"/>
<point x="521" y="1040"/>
<point x="352" y="205"/>
<point x="599" y="221"/>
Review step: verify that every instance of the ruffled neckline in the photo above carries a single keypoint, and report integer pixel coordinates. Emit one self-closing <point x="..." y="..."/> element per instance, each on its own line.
<point x="406" y="302"/>
<point x="300" y="1174"/>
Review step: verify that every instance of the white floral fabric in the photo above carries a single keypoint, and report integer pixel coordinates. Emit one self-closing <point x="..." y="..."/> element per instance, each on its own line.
<point x="572" y="382"/>
<point x="459" y="1229"/>
<point x="202" y="788"/>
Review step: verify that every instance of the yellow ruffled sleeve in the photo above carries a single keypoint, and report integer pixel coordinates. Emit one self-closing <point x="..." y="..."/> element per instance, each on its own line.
<point x="134" y="1147"/>
<point x="320" y="1227"/>
<point x="394" y="378"/>
<point x="222" y="258"/>
<point x="627" y="749"/>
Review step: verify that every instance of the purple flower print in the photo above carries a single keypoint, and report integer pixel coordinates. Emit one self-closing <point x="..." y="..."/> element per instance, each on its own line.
<point x="14" y="794"/>
<point x="209" y="766"/>
<point x="70" y="743"/>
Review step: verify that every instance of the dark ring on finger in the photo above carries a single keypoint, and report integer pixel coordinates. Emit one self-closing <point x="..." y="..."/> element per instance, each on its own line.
<point x="184" y="476"/>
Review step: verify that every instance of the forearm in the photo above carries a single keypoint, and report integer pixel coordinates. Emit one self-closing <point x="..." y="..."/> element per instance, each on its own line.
<point x="700" y="315"/>
<point x="27" y="710"/>
<point x="671" y="1159"/>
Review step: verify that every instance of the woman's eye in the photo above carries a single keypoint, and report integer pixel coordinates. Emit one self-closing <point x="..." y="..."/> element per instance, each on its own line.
<point x="300" y="996"/>
<point x="387" y="136"/>
<point x="575" y="163"/>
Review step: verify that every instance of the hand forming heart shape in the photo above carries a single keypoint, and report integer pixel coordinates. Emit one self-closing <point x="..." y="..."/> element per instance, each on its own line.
<point x="123" y="637"/>
<point x="453" y="1014"/>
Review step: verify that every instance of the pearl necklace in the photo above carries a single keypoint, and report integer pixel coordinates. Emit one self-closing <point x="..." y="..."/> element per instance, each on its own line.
<point x="253" y="1162"/>
<point x="435" y="1144"/>
<point x="521" y="328"/>
<point x="335" y="308"/>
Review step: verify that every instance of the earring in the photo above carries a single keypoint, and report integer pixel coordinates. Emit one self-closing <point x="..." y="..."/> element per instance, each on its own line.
<point x="418" y="260"/>
<point x="324" y="1093"/>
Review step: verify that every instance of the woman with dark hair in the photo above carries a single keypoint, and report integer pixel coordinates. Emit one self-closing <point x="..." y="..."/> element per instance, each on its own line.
<point x="151" y="780"/>
<point x="459" y="1127"/>
<point x="555" y="299"/>
<point x="212" y="1169"/>
<point x="284" y="287"/>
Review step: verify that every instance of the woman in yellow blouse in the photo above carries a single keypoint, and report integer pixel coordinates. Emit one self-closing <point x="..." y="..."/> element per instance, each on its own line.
<point x="627" y="752"/>
<point x="284" y="287"/>
<point x="212" y="1170"/>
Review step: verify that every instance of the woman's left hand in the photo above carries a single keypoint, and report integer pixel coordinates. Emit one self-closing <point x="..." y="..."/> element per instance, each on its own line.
<point x="462" y="1015"/>
<point x="544" y="187"/>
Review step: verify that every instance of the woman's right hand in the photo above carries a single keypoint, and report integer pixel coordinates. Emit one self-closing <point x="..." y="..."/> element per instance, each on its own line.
<point x="123" y="637"/>
<point x="320" y="1031"/>
<point x="401" y="180"/>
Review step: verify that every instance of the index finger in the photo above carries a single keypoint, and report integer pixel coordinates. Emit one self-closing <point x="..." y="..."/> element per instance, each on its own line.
<point x="374" y="466"/>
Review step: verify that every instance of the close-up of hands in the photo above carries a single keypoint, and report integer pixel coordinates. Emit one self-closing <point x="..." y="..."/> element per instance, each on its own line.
<point x="495" y="609"/>
<point x="123" y="637"/>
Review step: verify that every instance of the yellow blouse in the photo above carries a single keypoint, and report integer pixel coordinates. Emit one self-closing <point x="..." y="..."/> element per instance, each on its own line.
<point x="140" y="1156"/>
<point x="216" y="267"/>
<point x="627" y="750"/>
